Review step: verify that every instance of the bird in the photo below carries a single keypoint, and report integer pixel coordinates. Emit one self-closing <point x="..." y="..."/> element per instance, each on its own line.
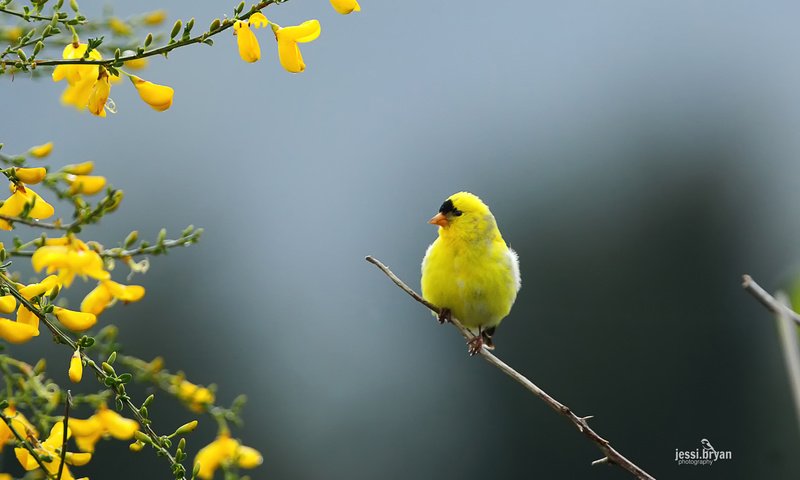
<point x="707" y="445"/>
<point x="469" y="272"/>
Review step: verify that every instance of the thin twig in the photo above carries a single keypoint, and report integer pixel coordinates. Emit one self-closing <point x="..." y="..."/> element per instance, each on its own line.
<point x="66" y="436"/>
<point x="767" y="300"/>
<point x="36" y="223"/>
<point x="611" y="455"/>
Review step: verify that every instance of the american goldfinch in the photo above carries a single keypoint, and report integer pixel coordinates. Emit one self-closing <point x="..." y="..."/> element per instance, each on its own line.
<point x="468" y="271"/>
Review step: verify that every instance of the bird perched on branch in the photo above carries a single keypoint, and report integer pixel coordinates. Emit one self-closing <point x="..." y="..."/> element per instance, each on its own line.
<point x="468" y="271"/>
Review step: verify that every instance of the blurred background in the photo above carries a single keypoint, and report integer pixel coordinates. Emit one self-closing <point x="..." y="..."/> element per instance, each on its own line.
<point x="640" y="157"/>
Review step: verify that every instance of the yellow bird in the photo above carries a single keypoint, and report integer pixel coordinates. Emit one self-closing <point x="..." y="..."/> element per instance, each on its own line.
<point x="468" y="271"/>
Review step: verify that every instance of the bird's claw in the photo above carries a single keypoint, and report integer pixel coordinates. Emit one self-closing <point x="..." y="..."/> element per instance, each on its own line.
<point x="445" y="316"/>
<point x="474" y="345"/>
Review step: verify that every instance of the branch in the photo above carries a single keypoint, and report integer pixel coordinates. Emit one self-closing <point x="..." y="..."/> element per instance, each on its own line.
<point x="611" y="455"/>
<point x="768" y="300"/>
<point x="787" y="332"/>
<point x="224" y="25"/>
<point x="36" y="223"/>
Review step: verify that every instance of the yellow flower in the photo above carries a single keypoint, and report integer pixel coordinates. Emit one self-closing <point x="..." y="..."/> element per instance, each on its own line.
<point x="8" y="304"/>
<point x="30" y="175"/>
<point x="81" y="78"/>
<point x="41" y="151"/>
<point x="75" y="321"/>
<point x="51" y="449"/>
<point x="346" y="6"/>
<point x="16" y="204"/>
<point x="196" y="397"/>
<point x="99" y="96"/>
<point x="288" y="38"/>
<point x="35" y="289"/>
<point x="225" y="450"/>
<point x="77" y="94"/>
<point x="155" y="18"/>
<point x="159" y="97"/>
<point x="258" y="20"/>
<point x="19" y="422"/>
<point x="85" y="184"/>
<point x="27" y="325"/>
<point x="102" y="424"/>
<point x="119" y="27"/>
<point x="70" y="259"/>
<point x="108" y="291"/>
<point x="84" y="168"/>
<point x="17" y="332"/>
<point x="76" y="367"/>
<point x="249" y="49"/>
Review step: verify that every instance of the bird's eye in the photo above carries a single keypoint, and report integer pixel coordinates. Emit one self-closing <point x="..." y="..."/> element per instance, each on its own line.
<point x="457" y="212"/>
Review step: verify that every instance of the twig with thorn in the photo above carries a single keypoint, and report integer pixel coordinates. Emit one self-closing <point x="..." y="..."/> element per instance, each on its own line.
<point x="611" y="455"/>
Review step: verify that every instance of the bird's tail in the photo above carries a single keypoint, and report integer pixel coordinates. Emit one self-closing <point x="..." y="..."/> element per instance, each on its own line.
<point x="487" y="337"/>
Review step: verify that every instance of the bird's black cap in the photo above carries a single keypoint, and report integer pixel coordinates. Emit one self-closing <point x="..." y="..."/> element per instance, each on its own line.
<point x="448" y="208"/>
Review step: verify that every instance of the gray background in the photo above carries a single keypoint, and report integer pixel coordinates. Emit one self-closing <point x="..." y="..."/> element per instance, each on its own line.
<point x="639" y="156"/>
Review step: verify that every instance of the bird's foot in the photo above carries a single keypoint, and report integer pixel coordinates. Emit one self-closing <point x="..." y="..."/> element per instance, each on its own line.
<point x="445" y="316"/>
<point x="474" y="345"/>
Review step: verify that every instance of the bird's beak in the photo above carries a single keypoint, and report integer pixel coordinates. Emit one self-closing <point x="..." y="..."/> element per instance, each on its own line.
<point x="439" y="219"/>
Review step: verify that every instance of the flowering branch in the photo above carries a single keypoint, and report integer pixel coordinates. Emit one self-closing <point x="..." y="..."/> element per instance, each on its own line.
<point x="612" y="456"/>
<point x="787" y="331"/>
<point x="106" y="375"/>
<point x="216" y="28"/>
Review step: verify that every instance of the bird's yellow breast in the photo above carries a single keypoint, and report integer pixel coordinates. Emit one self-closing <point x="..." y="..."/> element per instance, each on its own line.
<point x="478" y="282"/>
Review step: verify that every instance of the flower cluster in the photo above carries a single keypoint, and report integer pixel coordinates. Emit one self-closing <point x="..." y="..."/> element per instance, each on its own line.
<point x="287" y="38"/>
<point x="49" y="454"/>
<point x="89" y="86"/>
<point x="62" y="258"/>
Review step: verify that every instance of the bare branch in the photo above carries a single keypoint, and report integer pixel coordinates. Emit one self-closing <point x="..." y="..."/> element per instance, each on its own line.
<point x="611" y="455"/>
